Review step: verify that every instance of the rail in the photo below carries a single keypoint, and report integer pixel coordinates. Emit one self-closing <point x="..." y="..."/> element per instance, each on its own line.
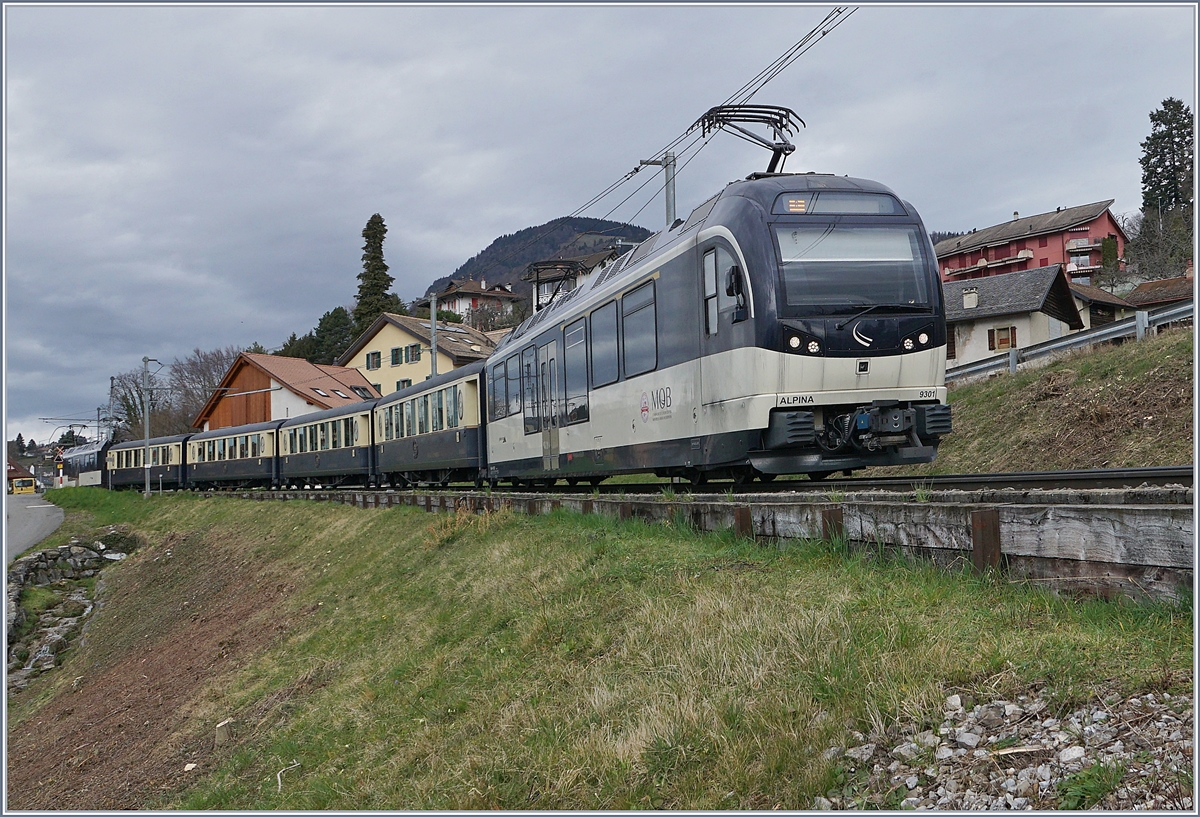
<point x="1129" y="327"/>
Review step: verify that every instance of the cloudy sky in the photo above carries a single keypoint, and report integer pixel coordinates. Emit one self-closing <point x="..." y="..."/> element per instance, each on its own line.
<point x="194" y="177"/>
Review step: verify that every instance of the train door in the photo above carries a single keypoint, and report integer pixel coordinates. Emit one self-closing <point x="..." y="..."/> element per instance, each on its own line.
<point x="548" y="361"/>
<point x="724" y="325"/>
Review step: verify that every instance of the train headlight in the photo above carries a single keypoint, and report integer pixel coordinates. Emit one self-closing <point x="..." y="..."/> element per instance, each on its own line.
<point x="923" y="338"/>
<point x="909" y="345"/>
<point x="813" y="347"/>
<point x="794" y="342"/>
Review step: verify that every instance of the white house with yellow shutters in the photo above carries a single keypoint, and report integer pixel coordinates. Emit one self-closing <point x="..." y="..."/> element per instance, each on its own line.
<point x="394" y="352"/>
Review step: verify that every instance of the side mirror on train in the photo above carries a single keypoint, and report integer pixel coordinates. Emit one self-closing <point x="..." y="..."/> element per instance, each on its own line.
<point x="735" y="289"/>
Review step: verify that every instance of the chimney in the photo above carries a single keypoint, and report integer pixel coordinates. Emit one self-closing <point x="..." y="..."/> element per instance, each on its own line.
<point x="483" y="284"/>
<point x="970" y="297"/>
<point x="1016" y="215"/>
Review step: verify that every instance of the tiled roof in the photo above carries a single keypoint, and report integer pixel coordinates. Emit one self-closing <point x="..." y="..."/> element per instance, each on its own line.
<point x="1166" y="291"/>
<point x="1096" y="295"/>
<point x="1043" y="289"/>
<point x="462" y="343"/>
<point x="471" y="288"/>
<point x="297" y="375"/>
<point x="17" y="471"/>
<point x="1054" y="222"/>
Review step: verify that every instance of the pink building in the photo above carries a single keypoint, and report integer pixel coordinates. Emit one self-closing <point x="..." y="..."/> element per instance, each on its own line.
<point x="1073" y="237"/>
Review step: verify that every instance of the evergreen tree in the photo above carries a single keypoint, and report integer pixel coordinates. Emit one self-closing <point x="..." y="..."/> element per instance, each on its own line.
<point x="374" y="281"/>
<point x="20" y="441"/>
<point x="1167" y="158"/>
<point x="334" y="334"/>
<point x="1161" y="243"/>
<point x="304" y="346"/>
<point x="256" y="348"/>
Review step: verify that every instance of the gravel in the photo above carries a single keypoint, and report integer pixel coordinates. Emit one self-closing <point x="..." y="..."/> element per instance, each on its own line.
<point x="1017" y="755"/>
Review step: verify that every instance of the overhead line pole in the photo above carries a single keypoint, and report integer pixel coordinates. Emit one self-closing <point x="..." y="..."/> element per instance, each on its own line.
<point x="146" y="361"/>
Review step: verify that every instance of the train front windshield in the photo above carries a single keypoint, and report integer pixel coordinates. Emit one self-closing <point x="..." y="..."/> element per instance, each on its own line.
<point x="834" y="267"/>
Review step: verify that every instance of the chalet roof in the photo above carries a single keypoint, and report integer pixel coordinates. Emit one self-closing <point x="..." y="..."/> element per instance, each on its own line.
<point x="1044" y="289"/>
<point x="1165" y="291"/>
<point x="1095" y="295"/>
<point x="298" y="376"/>
<point x="1027" y="227"/>
<point x="553" y="268"/>
<point x="17" y="471"/>
<point x="460" y="342"/>
<point x="476" y="289"/>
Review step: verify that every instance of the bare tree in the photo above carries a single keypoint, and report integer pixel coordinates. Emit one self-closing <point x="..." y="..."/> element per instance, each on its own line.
<point x="193" y="380"/>
<point x="129" y="404"/>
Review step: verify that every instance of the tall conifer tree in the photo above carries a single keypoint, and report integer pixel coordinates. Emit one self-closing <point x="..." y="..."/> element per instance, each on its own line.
<point x="374" y="281"/>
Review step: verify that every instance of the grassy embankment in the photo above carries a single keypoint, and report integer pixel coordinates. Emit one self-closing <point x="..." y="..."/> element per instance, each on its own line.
<point x="417" y="661"/>
<point x="1105" y="407"/>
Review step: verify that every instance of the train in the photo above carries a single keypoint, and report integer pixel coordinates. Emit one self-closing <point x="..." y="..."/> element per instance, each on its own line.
<point x="793" y="323"/>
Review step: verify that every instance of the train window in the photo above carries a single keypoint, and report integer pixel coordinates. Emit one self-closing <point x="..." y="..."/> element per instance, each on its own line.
<point x="292" y="446"/>
<point x="220" y="450"/>
<point x="323" y="436"/>
<point x="513" y="371"/>
<point x="639" y="331"/>
<point x="604" y="345"/>
<point x="303" y="438"/>
<point x="423" y="414"/>
<point x="255" y="444"/>
<point x="437" y="411"/>
<point x="496" y="390"/>
<point x="529" y="371"/>
<point x="410" y="425"/>
<point x="386" y="422"/>
<point x="154" y="455"/>
<point x="451" y="407"/>
<point x="841" y="268"/>
<point x="575" y="371"/>
<point x="243" y="446"/>
<point x="710" y="292"/>
<point x="212" y="451"/>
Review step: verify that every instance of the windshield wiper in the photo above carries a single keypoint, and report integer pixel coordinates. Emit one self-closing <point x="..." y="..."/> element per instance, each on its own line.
<point x="873" y="307"/>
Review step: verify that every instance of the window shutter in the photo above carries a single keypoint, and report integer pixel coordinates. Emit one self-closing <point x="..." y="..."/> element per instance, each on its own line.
<point x="991" y="339"/>
<point x="1012" y="337"/>
<point x="950" y="351"/>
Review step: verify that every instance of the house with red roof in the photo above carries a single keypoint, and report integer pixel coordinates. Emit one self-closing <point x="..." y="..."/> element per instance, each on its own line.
<point x="1153" y="294"/>
<point x="1072" y="237"/>
<point x="258" y="388"/>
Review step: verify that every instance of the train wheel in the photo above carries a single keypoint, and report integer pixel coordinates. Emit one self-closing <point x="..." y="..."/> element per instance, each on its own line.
<point x="697" y="478"/>
<point x="742" y="475"/>
<point x="595" y="481"/>
<point x="572" y="481"/>
<point x="767" y="477"/>
<point x="818" y="475"/>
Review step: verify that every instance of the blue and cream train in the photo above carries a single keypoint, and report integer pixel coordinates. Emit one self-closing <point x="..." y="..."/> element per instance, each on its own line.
<point x="792" y="324"/>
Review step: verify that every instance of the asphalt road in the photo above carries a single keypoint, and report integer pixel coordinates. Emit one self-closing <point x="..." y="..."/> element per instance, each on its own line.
<point x="29" y="520"/>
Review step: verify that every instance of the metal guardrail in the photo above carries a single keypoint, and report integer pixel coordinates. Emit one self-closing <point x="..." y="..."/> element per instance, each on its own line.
<point x="1129" y="327"/>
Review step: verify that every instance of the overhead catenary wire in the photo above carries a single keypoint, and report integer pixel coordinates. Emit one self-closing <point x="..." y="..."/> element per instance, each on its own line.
<point x="741" y="96"/>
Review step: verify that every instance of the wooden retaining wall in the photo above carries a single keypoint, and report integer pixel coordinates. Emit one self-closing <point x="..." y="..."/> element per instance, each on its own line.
<point x="1138" y="543"/>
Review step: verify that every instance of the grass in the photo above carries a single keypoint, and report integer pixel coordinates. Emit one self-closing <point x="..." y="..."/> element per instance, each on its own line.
<point x="1128" y="405"/>
<point x="466" y="662"/>
<point x="1089" y="786"/>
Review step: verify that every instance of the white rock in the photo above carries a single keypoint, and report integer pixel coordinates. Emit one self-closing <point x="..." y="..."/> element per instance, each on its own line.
<point x="912" y="782"/>
<point x="861" y="753"/>
<point x="821" y="804"/>
<point x="1071" y="753"/>
<point x="943" y="752"/>
<point x="189" y="767"/>
<point x="954" y="702"/>
<point x="967" y="739"/>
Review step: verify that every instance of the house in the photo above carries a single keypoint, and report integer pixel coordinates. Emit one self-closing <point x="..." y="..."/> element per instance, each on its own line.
<point x="1097" y="307"/>
<point x="465" y="298"/>
<point x="561" y="275"/>
<point x="1153" y="294"/>
<point x="986" y="316"/>
<point x="394" y="351"/>
<point x="258" y="388"/>
<point x="1073" y="237"/>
